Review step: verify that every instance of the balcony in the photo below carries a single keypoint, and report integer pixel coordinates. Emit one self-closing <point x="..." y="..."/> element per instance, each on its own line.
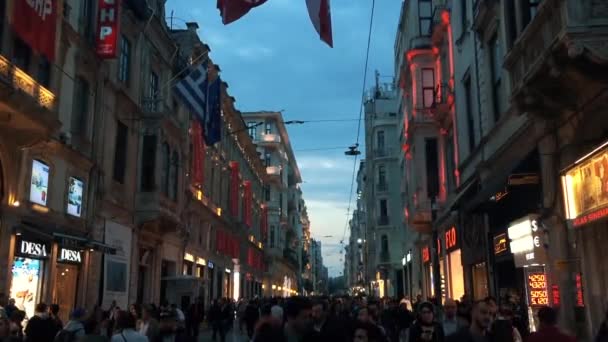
<point x="154" y="208"/>
<point x="567" y="61"/>
<point x="381" y="187"/>
<point x="383" y="221"/>
<point x="383" y="153"/>
<point x="441" y="20"/>
<point x="269" y="138"/>
<point x="443" y="101"/>
<point x="20" y="93"/>
<point x="154" y="108"/>
<point x="420" y="216"/>
<point x="385" y="257"/>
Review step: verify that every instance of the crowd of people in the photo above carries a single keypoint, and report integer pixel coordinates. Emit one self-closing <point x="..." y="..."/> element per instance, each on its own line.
<point x="294" y="319"/>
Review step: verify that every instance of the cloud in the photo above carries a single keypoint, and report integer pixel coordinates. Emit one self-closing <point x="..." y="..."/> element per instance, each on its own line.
<point x="315" y="163"/>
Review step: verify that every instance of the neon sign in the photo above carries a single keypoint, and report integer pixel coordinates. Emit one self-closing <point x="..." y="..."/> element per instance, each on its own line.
<point x="555" y="295"/>
<point x="580" y="301"/>
<point x="450" y="238"/>
<point x="426" y="254"/>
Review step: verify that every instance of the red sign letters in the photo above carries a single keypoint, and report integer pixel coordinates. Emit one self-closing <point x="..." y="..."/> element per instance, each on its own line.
<point x="35" y="23"/>
<point x="450" y="238"/>
<point x="107" y="28"/>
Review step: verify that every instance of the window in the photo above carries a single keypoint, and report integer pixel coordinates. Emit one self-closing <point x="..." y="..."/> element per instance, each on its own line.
<point x="87" y="19"/>
<point x="428" y="87"/>
<point x="272" y="236"/>
<point x="148" y="163"/>
<point x="2" y="17"/>
<point x="124" y="61"/>
<point x="80" y="111"/>
<point x="381" y="177"/>
<point x="432" y="167"/>
<point x="383" y="219"/>
<point x="529" y="9"/>
<point x="22" y="54"/>
<point x="252" y="130"/>
<point x="164" y="179"/>
<point x="267" y="128"/>
<point x="267" y="193"/>
<point x="153" y="91"/>
<point x="496" y="73"/>
<point x="267" y="159"/>
<point x="449" y="160"/>
<point x="510" y="23"/>
<point x="174" y="176"/>
<point x="120" y="152"/>
<point x="44" y="71"/>
<point x="384" y="244"/>
<point x="425" y="15"/>
<point x="463" y="14"/>
<point x="469" y="110"/>
<point x="380" y="141"/>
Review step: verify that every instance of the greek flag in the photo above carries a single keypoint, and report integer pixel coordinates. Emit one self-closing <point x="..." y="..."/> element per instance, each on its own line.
<point x="193" y="90"/>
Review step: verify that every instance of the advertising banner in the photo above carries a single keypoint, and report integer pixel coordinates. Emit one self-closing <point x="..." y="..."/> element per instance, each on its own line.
<point x="35" y="23"/>
<point x="108" y="28"/>
<point x="75" y="190"/>
<point x="39" y="185"/>
<point x="585" y="187"/>
<point x="117" y="266"/>
<point x="25" y="286"/>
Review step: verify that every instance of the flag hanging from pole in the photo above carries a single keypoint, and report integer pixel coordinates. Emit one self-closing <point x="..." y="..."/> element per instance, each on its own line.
<point x="213" y="121"/>
<point x="193" y="89"/>
<point x="320" y="15"/>
<point x="232" y="10"/>
<point x="198" y="158"/>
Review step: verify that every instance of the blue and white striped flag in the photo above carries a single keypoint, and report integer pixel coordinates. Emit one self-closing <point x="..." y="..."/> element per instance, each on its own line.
<point x="193" y="91"/>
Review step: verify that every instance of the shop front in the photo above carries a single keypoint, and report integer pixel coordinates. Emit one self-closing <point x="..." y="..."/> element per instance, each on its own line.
<point x="585" y="192"/>
<point x="427" y="272"/>
<point x="67" y="277"/>
<point x="451" y="264"/>
<point x="31" y="270"/>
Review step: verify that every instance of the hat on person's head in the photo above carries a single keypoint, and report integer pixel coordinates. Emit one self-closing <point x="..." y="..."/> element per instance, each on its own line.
<point x="78" y="314"/>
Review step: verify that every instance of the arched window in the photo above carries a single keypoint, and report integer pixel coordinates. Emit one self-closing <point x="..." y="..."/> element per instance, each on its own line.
<point x="173" y="176"/>
<point x="164" y="180"/>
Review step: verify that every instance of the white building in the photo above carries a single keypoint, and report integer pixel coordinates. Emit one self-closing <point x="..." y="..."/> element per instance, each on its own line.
<point x="385" y="236"/>
<point x="283" y="197"/>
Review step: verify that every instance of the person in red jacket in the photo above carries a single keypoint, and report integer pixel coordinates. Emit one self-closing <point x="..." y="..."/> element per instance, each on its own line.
<point x="548" y="330"/>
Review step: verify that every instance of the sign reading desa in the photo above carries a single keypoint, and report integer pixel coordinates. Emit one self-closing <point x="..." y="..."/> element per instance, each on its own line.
<point x="33" y="249"/>
<point x="108" y="29"/>
<point x="69" y="255"/>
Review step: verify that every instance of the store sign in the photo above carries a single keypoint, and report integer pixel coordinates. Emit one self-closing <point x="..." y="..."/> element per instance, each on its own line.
<point x="527" y="241"/>
<point x="537" y="289"/>
<point x="556" y="296"/>
<point x="578" y="281"/>
<point x="426" y="254"/>
<point x="39" y="185"/>
<point x="500" y="244"/>
<point x="585" y="188"/>
<point x="75" y="191"/>
<point x="450" y="239"/>
<point x="32" y="249"/>
<point x="210" y="264"/>
<point x="69" y="255"/>
<point x="107" y="30"/>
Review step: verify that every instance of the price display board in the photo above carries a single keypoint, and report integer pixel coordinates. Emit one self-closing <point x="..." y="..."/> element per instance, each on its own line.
<point x="537" y="288"/>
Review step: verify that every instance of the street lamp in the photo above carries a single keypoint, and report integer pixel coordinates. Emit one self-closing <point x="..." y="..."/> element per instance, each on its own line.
<point x="359" y="241"/>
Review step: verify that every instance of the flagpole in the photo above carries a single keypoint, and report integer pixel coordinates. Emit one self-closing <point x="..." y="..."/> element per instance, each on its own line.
<point x="168" y="83"/>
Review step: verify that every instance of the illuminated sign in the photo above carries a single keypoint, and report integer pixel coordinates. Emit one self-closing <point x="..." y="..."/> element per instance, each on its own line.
<point x="426" y="254"/>
<point x="527" y="242"/>
<point x="537" y="289"/>
<point x="450" y="238"/>
<point x="578" y="280"/>
<point x="585" y="187"/>
<point x="39" y="185"/>
<point x="32" y="249"/>
<point x="523" y="179"/>
<point x="75" y="190"/>
<point x="500" y="244"/>
<point x="69" y="255"/>
<point x="210" y="265"/>
<point x="555" y="295"/>
<point x="107" y="30"/>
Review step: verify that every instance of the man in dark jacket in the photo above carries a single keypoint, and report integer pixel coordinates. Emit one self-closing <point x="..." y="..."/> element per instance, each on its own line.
<point x="40" y="328"/>
<point x="548" y="330"/>
<point x="480" y="322"/>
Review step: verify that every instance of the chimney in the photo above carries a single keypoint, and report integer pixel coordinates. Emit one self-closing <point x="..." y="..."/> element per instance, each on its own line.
<point x="192" y="26"/>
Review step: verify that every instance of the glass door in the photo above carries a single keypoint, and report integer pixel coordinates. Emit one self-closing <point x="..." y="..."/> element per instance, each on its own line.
<point x="65" y="289"/>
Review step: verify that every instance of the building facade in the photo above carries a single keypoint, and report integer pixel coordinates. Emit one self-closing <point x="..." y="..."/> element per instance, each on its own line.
<point x="509" y="127"/>
<point x="385" y="236"/>
<point x="98" y="157"/>
<point x="283" y="196"/>
<point x="355" y="272"/>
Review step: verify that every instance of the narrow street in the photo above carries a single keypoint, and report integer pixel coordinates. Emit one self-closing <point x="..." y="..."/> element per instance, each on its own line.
<point x="233" y="335"/>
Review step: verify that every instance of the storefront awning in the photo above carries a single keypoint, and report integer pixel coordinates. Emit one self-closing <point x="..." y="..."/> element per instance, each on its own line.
<point x="83" y="243"/>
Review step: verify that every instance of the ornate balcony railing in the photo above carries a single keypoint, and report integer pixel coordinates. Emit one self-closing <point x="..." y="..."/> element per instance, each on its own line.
<point x="20" y="80"/>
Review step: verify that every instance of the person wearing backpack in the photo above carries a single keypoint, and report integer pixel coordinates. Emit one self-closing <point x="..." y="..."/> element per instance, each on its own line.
<point x="74" y="329"/>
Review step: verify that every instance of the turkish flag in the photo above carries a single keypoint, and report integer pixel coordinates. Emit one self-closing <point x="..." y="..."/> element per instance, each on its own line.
<point x="320" y="15"/>
<point x="232" y="10"/>
<point x="35" y="23"/>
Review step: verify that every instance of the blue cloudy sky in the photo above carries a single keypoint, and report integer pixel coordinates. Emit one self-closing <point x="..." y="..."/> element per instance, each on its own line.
<point x="273" y="59"/>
